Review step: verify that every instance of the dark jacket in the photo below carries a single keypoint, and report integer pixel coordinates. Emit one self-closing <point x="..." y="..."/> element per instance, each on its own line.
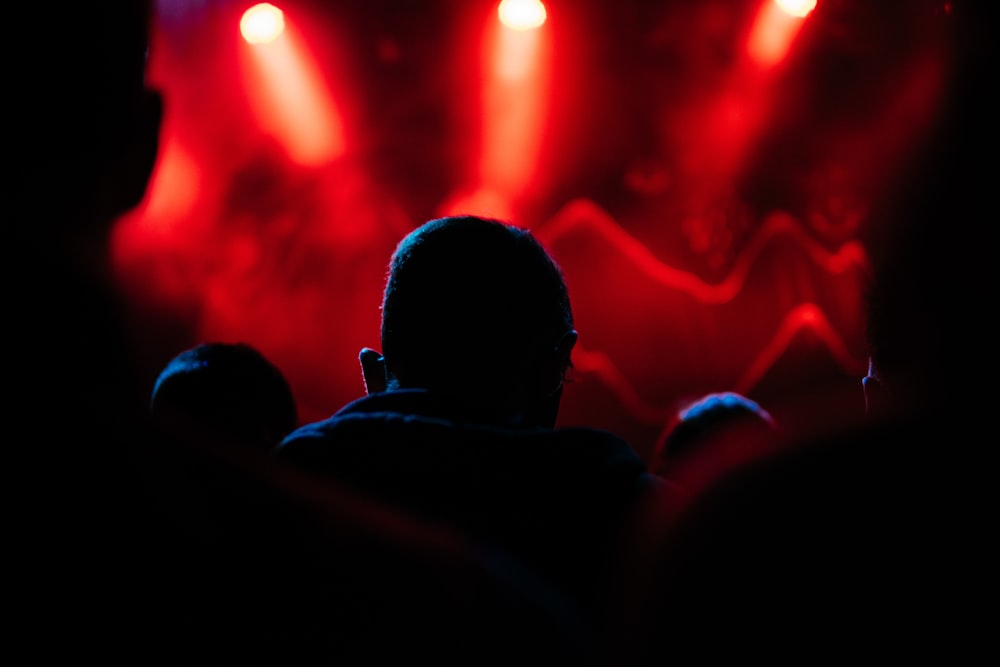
<point x="561" y="500"/>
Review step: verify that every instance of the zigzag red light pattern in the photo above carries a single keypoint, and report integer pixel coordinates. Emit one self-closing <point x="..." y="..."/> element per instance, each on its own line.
<point x="583" y="214"/>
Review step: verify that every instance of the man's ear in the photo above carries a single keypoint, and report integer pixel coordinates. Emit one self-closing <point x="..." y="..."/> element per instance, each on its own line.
<point x="372" y="370"/>
<point x="566" y="345"/>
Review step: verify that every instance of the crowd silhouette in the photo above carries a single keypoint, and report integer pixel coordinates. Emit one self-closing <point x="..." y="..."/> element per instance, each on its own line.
<point x="443" y="516"/>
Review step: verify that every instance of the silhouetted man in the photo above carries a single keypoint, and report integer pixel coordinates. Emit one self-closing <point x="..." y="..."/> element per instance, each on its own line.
<point x="459" y="420"/>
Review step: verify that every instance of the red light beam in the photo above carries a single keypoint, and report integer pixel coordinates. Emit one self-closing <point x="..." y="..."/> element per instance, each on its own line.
<point x="289" y="97"/>
<point x="774" y="29"/>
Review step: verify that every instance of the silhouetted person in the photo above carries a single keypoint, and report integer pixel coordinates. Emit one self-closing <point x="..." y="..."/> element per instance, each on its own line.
<point x="83" y="136"/>
<point x="868" y="540"/>
<point x="225" y="390"/>
<point x="217" y="409"/>
<point x="97" y="571"/>
<point x="710" y="435"/>
<point x="458" y="424"/>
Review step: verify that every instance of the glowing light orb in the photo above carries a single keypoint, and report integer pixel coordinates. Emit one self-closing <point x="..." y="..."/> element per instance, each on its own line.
<point x="522" y="14"/>
<point x="796" y="7"/>
<point x="262" y="23"/>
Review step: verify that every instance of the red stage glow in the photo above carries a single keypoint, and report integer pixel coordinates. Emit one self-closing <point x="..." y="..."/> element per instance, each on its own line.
<point x="289" y="169"/>
<point x="515" y="85"/>
<point x="289" y="97"/>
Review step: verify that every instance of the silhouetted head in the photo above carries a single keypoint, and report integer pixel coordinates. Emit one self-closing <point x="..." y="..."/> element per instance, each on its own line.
<point x="708" y="417"/>
<point x="477" y="311"/>
<point x="712" y="434"/>
<point x="87" y="125"/>
<point x="224" y="390"/>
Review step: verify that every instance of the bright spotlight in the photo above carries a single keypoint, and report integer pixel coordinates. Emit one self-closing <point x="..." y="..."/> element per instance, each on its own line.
<point x="521" y="14"/>
<point x="798" y="8"/>
<point x="262" y="23"/>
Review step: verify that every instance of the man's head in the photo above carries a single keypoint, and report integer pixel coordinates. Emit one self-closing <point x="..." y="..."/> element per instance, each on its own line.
<point x="224" y="390"/>
<point x="712" y="415"/>
<point x="89" y="126"/>
<point x="477" y="311"/>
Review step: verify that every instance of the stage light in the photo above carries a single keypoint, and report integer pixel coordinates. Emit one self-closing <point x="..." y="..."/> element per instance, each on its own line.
<point x="262" y="23"/>
<point x="798" y="8"/>
<point x="515" y="88"/>
<point x="775" y="28"/>
<point x="522" y="14"/>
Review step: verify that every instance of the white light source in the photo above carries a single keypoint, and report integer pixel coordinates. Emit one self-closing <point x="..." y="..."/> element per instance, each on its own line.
<point x="521" y="14"/>
<point x="262" y="23"/>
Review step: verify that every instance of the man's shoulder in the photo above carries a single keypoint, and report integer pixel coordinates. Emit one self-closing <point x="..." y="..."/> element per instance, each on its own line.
<point x="373" y="430"/>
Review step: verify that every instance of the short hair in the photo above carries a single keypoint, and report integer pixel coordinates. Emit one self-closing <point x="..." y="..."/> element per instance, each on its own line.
<point x="479" y="288"/>
<point x="224" y="389"/>
<point x="711" y="416"/>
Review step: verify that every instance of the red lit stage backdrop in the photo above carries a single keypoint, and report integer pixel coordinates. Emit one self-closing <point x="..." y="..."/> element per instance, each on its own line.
<point x="704" y="172"/>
